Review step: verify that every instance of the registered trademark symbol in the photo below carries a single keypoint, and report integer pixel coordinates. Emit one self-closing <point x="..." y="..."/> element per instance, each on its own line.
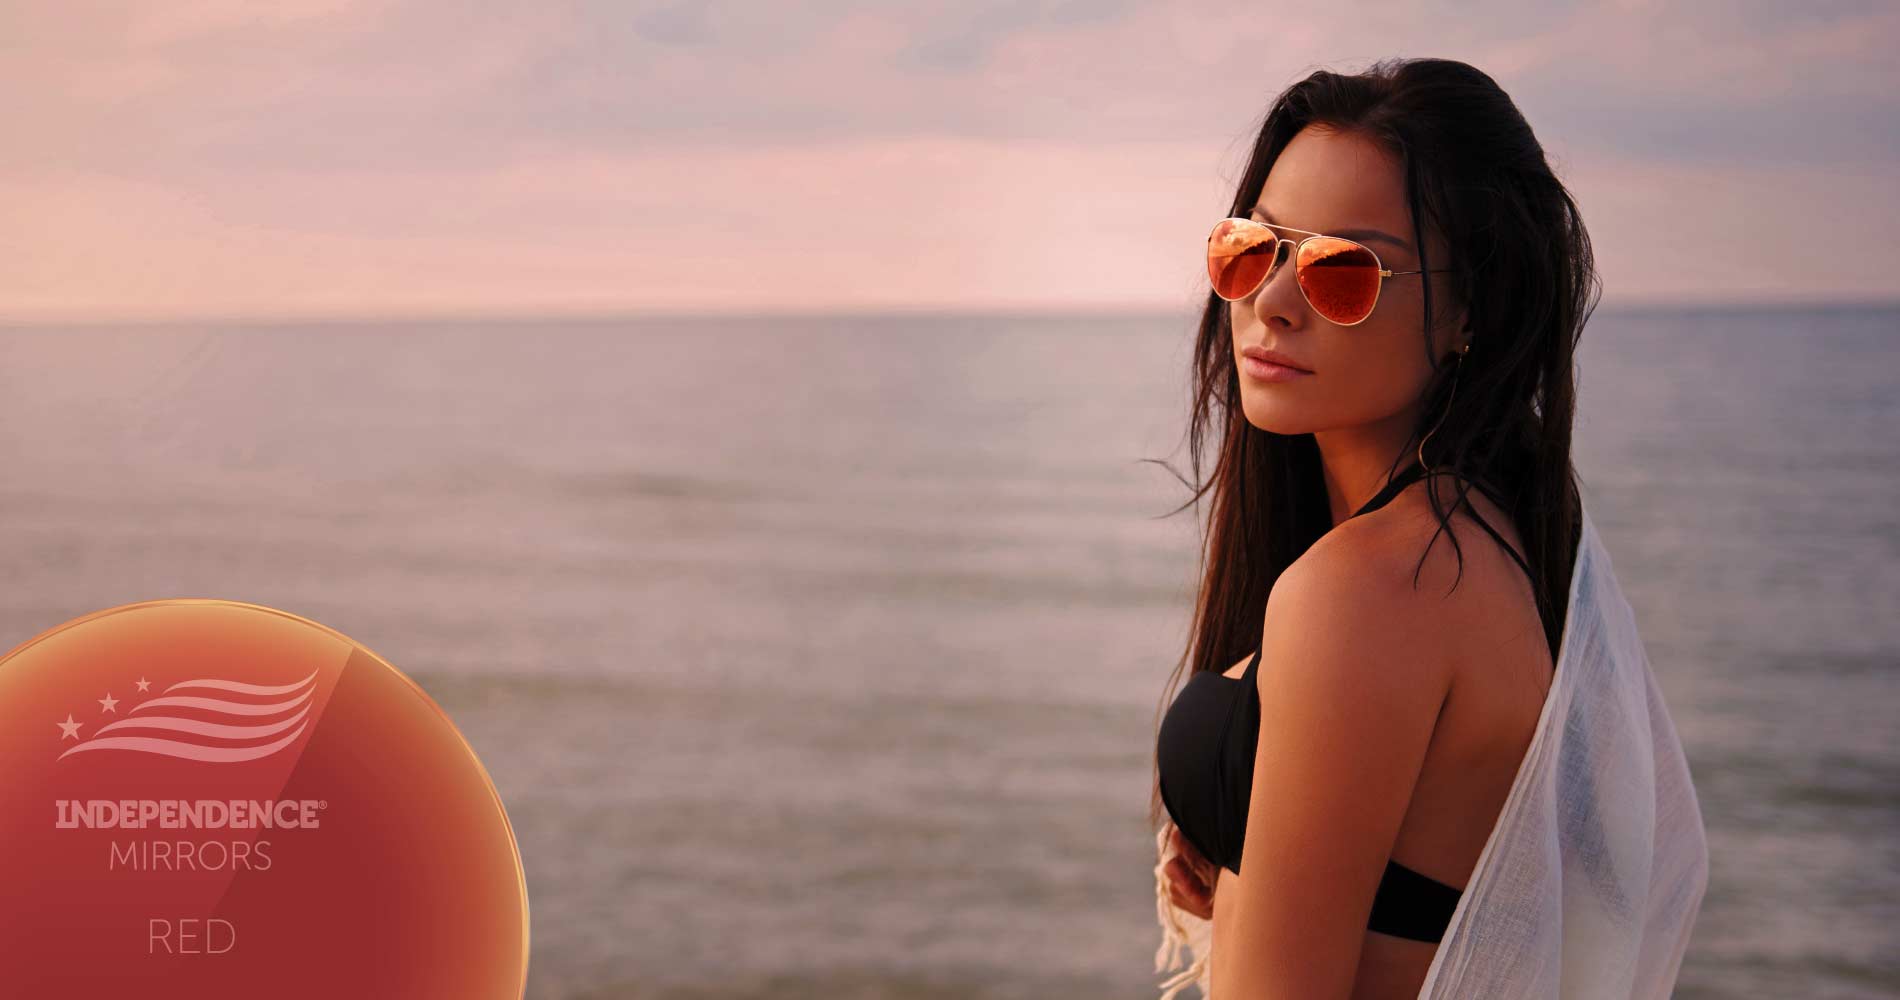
<point x="323" y="803"/>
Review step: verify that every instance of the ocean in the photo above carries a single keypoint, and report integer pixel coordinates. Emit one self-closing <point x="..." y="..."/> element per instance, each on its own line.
<point x="821" y="656"/>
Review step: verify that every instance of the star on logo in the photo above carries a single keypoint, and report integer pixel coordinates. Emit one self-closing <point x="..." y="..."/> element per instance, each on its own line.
<point x="143" y="684"/>
<point x="108" y="704"/>
<point x="69" y="727"/>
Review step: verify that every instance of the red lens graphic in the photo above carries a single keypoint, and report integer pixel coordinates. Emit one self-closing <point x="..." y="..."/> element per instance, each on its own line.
<point x="212" y="799"/>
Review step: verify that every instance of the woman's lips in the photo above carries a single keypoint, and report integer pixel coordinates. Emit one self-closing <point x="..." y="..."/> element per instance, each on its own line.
<point x="1257" y="363"/>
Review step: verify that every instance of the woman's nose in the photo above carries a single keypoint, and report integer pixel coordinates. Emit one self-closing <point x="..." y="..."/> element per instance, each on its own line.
<point x="1269" y="299"/>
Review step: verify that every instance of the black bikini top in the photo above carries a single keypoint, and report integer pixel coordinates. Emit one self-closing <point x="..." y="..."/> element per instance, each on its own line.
<point x="1206" y="752"/>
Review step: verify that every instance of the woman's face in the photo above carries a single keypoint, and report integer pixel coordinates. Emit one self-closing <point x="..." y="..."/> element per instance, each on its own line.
<point x="1372" y="374"/>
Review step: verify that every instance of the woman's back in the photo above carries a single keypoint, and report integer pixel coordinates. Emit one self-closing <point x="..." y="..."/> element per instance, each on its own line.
<point x="1490" y="641"/>
<point x="1501" y="672"/>
<point x="1493" y="641"/>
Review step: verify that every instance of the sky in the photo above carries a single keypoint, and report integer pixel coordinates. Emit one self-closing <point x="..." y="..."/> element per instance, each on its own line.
<point x="370" y="158"/>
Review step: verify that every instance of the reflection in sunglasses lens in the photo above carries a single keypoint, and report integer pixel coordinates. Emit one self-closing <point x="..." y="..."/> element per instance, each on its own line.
<point x="1239" y="257"/>
<point x="1340" y="278"/>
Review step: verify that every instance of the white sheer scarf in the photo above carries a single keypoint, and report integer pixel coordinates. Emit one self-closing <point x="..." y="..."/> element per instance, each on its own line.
<point x="1591" y="881"/>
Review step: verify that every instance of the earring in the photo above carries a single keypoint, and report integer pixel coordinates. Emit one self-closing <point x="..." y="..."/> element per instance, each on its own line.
<point x="1441" y="417"/>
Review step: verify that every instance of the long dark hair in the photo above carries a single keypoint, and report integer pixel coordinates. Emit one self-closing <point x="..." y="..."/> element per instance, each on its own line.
<point x="1521" y="263"/>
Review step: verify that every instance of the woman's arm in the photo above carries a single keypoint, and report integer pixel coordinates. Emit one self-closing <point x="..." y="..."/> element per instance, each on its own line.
<point x="1352" y="676"/>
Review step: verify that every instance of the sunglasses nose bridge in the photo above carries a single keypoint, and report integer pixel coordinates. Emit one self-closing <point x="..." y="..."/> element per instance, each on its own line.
<point x="1283" y="251"/>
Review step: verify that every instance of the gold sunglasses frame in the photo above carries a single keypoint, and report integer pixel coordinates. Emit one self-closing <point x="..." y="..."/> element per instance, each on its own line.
<point x="1295" y="257"/>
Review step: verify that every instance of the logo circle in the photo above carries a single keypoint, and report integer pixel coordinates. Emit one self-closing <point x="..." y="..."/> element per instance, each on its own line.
<point x="207" y="798"/>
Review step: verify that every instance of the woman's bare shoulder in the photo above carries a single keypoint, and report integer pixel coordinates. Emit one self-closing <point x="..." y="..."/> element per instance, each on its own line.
<point x="1426" y="591"/>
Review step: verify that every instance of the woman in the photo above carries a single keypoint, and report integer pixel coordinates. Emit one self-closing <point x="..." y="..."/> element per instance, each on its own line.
<point x="1389" y="351"/>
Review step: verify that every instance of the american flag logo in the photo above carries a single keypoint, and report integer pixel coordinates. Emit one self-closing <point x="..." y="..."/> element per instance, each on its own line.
<point x="234" y="722"/>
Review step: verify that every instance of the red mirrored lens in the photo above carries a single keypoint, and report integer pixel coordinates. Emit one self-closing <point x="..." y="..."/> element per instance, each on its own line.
<point x="1240" y="255"/>
<point x="1340" y="278"/>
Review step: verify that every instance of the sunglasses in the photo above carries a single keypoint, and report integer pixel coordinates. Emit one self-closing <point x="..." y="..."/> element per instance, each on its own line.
<point x="1339" y="278"/>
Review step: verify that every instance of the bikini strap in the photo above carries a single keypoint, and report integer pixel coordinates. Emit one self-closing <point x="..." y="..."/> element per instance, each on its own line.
<point x="1413" y="472"/>
<point x="1496" y="498"/>
<point x="1405" y="477"/>
<point x="1486" y="525"/>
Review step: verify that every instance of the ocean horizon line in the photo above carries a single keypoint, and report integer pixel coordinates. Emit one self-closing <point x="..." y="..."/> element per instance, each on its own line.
<point x="561" y="315"/>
